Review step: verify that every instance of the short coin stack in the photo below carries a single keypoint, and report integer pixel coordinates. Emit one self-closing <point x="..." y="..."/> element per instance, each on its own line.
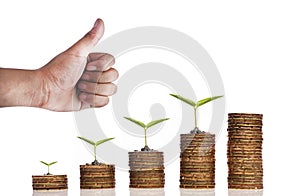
<point x="97" y="176"/>
<point x="244" y="151"/>
<point x="50" y="182"/>
<point x="146" y="169"/>
<point x="197" y="161"/>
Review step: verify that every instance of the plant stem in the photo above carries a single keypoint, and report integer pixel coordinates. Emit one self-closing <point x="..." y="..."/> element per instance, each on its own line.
<point x="195" y="116"/>
<point x="145" y="132"/>
<point x="95" y="155"/>
<point x="48" y="169"/>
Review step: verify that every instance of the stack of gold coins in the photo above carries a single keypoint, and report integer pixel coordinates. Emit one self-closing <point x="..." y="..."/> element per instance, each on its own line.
<point x="146" y="169"/>
<point x="197" y="161"/>
<point x="244" y="151"/>
<point x="97" y="176"/>
<point x="50" y="182"/>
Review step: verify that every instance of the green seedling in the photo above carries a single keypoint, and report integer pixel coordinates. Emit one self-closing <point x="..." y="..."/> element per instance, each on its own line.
<point x="48" y="165"/>
<point x="196" y="105"/>
<point x="146" y="127"/>
<point x="95" y="145"/>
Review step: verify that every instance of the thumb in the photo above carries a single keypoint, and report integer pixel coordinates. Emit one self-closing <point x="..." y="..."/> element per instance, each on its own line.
<point x="89" y="41"/>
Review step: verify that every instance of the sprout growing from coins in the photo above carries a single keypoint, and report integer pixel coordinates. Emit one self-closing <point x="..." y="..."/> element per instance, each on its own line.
<point x="146" y="127"/>
<point x="48" y="165"/>
<point x="95" y="145"/>
<point x="195" y="105"/>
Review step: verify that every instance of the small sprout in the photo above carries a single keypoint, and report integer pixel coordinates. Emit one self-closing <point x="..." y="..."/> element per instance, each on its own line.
<point x="48" y="165"/>
<point x="146" y="127"/>
<point x="195" y="105"/>
<point x="95" y="144"/>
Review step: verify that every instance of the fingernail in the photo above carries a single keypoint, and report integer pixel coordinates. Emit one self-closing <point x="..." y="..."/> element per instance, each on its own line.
<point x="82" y="86"/>
<point x="107" y="66"/>
<point x="97" y="22"/>
<point x="91" y="68"/>
<point x="114" y="90"/>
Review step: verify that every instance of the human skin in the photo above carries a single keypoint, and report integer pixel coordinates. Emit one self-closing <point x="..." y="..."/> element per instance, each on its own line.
<point x="73" y="80"/>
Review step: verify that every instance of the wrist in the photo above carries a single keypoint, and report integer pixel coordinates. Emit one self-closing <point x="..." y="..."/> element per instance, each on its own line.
<point x="40" y="93"/>
<point x="21" y="88"/>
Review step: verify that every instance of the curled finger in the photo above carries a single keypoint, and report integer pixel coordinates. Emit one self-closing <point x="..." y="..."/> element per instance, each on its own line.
<point x="100" y="77"/>
<point x="105" y="89"/>
<point x="101" y="64"/>
<point x="92" y="100"/>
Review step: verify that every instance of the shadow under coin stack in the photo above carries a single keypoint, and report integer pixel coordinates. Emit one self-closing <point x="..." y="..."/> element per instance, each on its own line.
<point x="244" y="151"/>
<point x="233" y="192"/>
<point x="197" y="192"/>
<point x="97" y="176"/>
<point x="50" y="182"/>
<point x="146" y="169"/>
<point x="197" y="161"/>
<point x="97" y="192"/>
<point x="147" y="192"/>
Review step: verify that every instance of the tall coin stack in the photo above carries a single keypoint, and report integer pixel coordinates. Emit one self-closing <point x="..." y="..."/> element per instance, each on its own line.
<point x="97" y="176"/>
<point x="146" y="169"/>
<point x="197" y="161"/>
<point x="244" y="151"/>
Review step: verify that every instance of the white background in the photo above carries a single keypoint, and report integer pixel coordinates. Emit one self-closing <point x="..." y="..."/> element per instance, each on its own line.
<point x="255" y="45"/>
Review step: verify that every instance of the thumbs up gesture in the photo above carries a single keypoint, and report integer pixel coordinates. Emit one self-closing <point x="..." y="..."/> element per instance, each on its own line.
<point x="77" y="79"/>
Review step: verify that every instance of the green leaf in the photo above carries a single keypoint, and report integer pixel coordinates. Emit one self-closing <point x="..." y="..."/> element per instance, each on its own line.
<point x="152" y="123"/>
<point x="44" y="163"/>
<point x="104" y="140"/>
<point x="186" y="100"/>
<point x="139" y="123"/>
<point x="52" y="163"/>
<point x="87" y="140"/>
<point x="48" y="164"/>
<point x="206" y="100"/>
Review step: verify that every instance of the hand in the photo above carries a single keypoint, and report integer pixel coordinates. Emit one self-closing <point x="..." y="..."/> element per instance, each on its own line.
<point x="72" y="81"/>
